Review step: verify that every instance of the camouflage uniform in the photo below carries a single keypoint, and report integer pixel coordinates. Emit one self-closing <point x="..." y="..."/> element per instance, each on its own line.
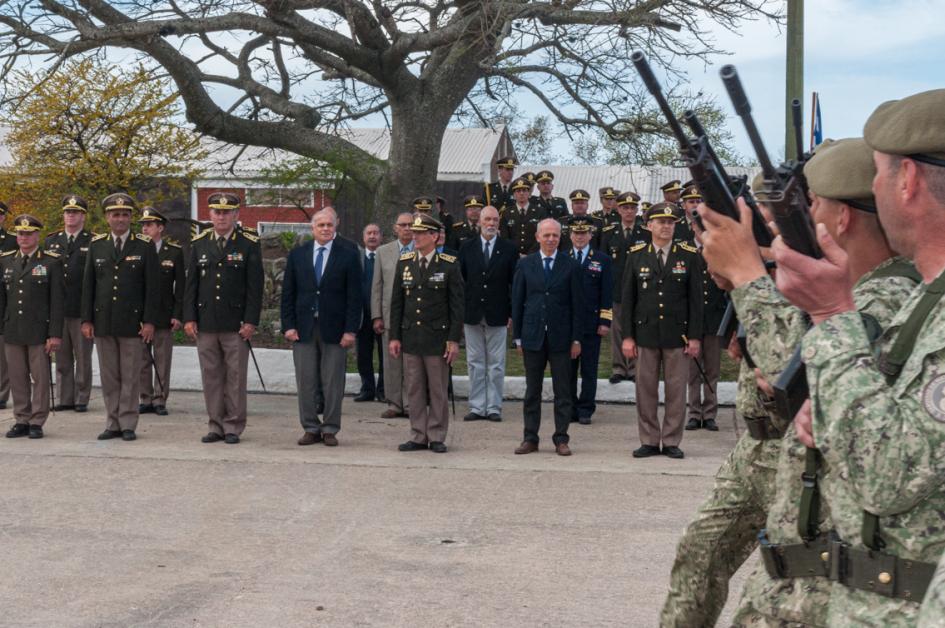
<point x="804" y="601"/>
<point x="933" y="608"/>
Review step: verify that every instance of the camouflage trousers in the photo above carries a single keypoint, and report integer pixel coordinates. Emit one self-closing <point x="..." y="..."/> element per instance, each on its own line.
<point x="933" y="608"/>
<point x="722" y="536"/>
<point x="782" y="603"/>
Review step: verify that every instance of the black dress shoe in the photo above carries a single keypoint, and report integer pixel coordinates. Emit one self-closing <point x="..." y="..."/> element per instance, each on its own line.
<point x="710" y="425"/>
<point x="128" y="435"/>
<point x="495" y="418"/>
<point x="693" y="424"/>
<point x="145" y="408"/>
<point x="645" y="451"/>
<point x="438" y="448"/>
<point x="673" y="452"/>
<point x="231" y="439"/>
<point x="364" y="396"/>
<point x="3" y="405"/>
<point x="212" y="437"/>
<point x="36" y="431"/>
<point x="411" y="446"/>
<point x="584" y="420"/>
<point x="109" y="434"/>
<point x="160" y="410"/>
<point x="616" y="378"/>
<point x="62" y="406"/>
<point x="472" y="416"/>
<point x="18" y="430"/>
<point x="81" y="407"/>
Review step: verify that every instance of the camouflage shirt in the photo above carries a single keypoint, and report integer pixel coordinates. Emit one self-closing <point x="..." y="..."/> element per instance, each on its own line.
<point x="933" y="608"/>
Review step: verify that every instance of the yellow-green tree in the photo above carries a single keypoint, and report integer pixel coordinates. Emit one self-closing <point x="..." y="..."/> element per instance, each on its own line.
<point x="91" y="129"/>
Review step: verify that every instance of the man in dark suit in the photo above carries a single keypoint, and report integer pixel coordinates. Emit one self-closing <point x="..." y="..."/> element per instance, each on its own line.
<point x="546" y="324"/>
<point x="488" y="267"/>
<point x="368" y="339"/>
<point x="321" y="311"/>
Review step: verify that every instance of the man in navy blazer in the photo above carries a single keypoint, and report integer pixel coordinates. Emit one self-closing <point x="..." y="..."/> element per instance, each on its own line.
<point x="321" y="314"/>
<point x="547" y="319"/>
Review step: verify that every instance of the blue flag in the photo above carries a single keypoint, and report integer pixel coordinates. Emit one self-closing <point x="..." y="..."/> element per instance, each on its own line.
<point x="816" y="124"/>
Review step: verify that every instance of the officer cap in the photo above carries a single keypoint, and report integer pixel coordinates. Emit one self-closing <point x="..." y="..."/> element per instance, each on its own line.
<point x="628" y="198"/>
<point x="673" y="186"/>
<point x="662" y="210"/>
<point x="441" y="201"/>
<point x="544" y="175"/>
<point x="149" y="214"/>
<point x="118" y="201"/>
<point x="223" y="201"/>
<point x="26" y="224"/>
<point x="423" y="203"/>
<point x="843" y="170"/>
<point x="688" y="184"/>
<point x="529" y="176"/>
<point x="691" y="191"/>
<point x="75" y="203"/>
<point x="507" y="162"/>
<point x="608" y="192"/>
<point x="580" y="195"/>
<point x="473" y="200"/>
<point x="913" y="127"/>
<point x="645" y="206"/>
<point x="521" y="183"/>
<point x="425" y="222"/>
<point x="580" y="224"/>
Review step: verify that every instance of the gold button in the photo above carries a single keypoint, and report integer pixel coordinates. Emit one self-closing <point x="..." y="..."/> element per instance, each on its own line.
<point x="661" y="305"/>
<point x="418" y="323"/>
<point x="418" y="311"/>
<point x="884" y="578"/>
<point x="114" y="298"/>
<point x="661" y="317"/>
<point x="218" y="298"/>
<point x="825" y="556"/>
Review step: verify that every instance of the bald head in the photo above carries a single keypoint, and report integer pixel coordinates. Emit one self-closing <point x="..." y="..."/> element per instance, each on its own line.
<point x="548" y="235"/>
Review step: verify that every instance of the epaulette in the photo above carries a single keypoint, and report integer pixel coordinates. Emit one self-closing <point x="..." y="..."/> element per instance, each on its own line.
<point x="607" y="315"/>
<point x="142" y="237"/>
<point x="447" y="258"/>
<point x="172" y="244"/>
<point x="249" y="236"/>
<point x="638" y="247"/>
<point x="101" y="236"/>
<point x="51" y="254"/>
<point x="610" y="227"/>
<point x="687" y="247"/>
<point x="6" y="253"/>
<point x="407" y="256"/>
<point x="202" y="234"/>
<point x="459" y="224"/>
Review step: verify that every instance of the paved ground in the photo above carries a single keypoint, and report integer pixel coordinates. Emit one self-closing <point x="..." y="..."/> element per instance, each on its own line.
<point x="166" y="531"/>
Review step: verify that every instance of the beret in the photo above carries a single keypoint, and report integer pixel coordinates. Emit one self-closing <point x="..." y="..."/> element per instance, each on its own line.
<point x="912" y="127"/>
<point x="842" y="170"/>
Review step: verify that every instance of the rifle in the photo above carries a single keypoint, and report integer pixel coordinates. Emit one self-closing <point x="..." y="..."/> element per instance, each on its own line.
<point x="702" y="375"/>
<point x="258" y="372"/>
<point x="449" y="391"/>
<point x="154" y="365"/>
<point x="701" y="160"/>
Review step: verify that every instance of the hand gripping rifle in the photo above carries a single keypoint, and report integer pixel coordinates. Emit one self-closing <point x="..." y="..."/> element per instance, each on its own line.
<point x="785" y="192"/>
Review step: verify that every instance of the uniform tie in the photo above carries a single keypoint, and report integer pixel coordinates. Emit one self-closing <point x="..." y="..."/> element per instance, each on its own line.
<point x="26" y="258"/>
<point x="423" y="265"/>
<point x="118" y="246"/>
<point x="659" y="259"/>
<point x="71" y="243"/>
<point x="580" y="256"/>
<point x="221" y="243"/>
<point x="628" y="232"/>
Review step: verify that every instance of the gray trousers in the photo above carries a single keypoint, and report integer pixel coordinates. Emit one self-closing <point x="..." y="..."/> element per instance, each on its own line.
<point x="393" y="377"/>
<point x="319" y="373"/>
<point x="675" y="365"/>
<point x="703" y="400"/>
<point x="29" y="381"/>
<point x="619" y="364"/>
<point x="74" y="365"/>
<point x="428" y="379"/>
<point x="224" y="357"/>
<point x="150" y="386"/>
<point x="485" y="357"/>
<point x="119" y="365"/>
<point x="4" y="375"/>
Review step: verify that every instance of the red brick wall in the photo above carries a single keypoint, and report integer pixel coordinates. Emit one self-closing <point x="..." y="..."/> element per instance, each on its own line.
<point x="251" y="216"/>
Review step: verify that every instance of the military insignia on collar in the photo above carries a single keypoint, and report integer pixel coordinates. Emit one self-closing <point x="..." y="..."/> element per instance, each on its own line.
<point x="933" y="398"/>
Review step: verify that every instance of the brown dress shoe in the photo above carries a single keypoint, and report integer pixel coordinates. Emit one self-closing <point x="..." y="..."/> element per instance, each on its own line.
<point x="390" y="413"/>
<point x="526" y="447"/>
<point x="330" y="440"/>
<point x="562" y="449"/>
<point x="309" y="438"/>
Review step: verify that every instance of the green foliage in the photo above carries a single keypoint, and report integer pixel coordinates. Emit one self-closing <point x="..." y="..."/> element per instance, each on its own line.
<point x="288" y="239"/>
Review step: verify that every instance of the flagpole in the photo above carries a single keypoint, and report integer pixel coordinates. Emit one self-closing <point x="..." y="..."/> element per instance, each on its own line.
<point x="813" y="118"/>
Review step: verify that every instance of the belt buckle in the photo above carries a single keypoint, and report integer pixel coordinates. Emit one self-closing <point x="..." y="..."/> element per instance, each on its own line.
<point x="809" y="480"/>
<point x="838" y="555"/>
<point x="770" y="555"/>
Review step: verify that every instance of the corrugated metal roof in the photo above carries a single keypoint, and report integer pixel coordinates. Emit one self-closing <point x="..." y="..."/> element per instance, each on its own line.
<point x="644" y="180"/>
<point x="462" y="152"/>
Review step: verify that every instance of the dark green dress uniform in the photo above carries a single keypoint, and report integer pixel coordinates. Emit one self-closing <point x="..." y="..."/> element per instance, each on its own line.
<point x="74" y="357"/>
<point x="499" y="197"/>
<point x="224" y="289"/>
<point x="460" y="232"/>
<point x="553" y="207"/>
<point x="596" y="223"/>
<point x="31" y="312"/>
<point x="520" y="224"/>
<point x="702" y="399"/>
<point x="427" y="307"/>
<point x="7" y="243"/>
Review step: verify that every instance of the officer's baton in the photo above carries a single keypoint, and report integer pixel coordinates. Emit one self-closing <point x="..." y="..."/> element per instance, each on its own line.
<point x="449" y="391"/>
<point x="157" y="374"/>
<point x="258" y="372"/>
<point x="705" y="378"/>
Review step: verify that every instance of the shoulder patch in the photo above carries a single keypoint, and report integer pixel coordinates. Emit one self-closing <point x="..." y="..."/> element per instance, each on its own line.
<point x="638" y="247"/>
<point x="407" y="256"/>
<point x="687" y="247"/>
<point x="51" y="254"/>
<point x="8" y="253"/>
<point x="100" y="236"/>
<point x="447" y="258"/>
<point x="142" y="237"/>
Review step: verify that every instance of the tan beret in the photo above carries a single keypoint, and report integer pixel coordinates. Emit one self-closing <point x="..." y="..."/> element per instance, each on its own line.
<point x="913" y="127"/>
<point x="842" y="170"/>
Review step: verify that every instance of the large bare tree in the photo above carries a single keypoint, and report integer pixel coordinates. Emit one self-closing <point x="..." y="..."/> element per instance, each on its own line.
<point x="293" y="74"/>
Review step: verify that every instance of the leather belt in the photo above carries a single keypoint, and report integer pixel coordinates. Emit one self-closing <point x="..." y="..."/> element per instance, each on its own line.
<point x="796" y="560"/>
<point x="762" y="428"/>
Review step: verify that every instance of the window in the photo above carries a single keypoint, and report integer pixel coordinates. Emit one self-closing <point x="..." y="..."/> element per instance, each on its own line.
<point x="266" y="228"/>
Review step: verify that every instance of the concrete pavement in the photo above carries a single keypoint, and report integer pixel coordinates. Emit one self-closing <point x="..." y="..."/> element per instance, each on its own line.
<point x="167" y="531"/>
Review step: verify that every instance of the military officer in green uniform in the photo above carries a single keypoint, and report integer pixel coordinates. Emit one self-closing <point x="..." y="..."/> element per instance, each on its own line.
<point x="550" y="206"/>
<point x="426" y="322"/>
<point x="7" y="243"/>
<point x="662" y="322"/>
<point x="74" y="357"/>
<point x="466" y="229"/>
<point x="119" y="309"/>
<point x="672" y="193"/>
<point x="443" y="215"/>
<point x="608" y="201"/>
<point x="579" y="203"/>
<point x="157" y="355"/>
<point x="222" y="304"/>
<point x="498" y="194"/>
<point x="31" y="310"/>
<point x="520" y="222"/>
